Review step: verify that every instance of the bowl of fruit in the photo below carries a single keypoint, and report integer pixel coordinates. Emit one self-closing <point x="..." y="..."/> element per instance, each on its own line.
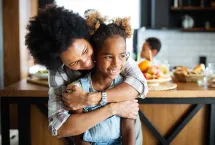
<point x="154" y="74"/>
<point x="41" y="74"/>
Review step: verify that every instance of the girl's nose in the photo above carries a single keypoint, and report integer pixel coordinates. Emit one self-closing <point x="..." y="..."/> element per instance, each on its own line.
<point x="116" y="62"/>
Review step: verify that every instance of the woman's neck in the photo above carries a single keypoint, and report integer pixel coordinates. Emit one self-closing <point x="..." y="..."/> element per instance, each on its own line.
<point x="99" y="81"/>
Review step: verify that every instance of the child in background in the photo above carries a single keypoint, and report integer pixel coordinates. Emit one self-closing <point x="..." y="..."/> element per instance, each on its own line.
<point x="151" y="48"/>
<point x="109" y="43"/>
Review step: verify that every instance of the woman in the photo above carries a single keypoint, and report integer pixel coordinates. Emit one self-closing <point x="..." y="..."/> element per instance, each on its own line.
<point x="58" y="39"/>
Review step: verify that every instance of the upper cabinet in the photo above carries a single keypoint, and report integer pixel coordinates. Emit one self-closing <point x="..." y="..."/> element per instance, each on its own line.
<point x="155" y="13"/>
<point x="187" y="15"/>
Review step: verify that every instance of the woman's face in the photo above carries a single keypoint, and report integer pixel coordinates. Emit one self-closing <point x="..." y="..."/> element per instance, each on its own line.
<point x="111" y="59"/>
<point x="79" y="55"/>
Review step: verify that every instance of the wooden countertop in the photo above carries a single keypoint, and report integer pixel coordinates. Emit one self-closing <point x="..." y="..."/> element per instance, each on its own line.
<point x="184" y="90"/>
<point x="24" y="89"/>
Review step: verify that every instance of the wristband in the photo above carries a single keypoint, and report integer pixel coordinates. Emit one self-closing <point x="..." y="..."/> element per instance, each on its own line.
<point x="104" y="98"/>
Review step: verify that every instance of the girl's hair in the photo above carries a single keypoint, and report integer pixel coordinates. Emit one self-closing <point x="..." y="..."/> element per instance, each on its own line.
<point x="51" y="32"/>
<point x="101" y="28"/>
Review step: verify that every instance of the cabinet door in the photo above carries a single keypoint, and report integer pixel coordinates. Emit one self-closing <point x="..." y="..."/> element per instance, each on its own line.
<point x="159" y="13"/>
<point x="155" y="13"/>
<point x="145" y="13"/>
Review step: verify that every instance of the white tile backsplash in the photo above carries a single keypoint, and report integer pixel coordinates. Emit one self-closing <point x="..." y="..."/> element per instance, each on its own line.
<point x="181" y="48"/>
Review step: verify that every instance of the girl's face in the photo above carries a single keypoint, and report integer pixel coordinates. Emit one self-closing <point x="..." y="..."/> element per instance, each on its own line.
<point x="79" y="55"/>
<point x="111" y="59"/>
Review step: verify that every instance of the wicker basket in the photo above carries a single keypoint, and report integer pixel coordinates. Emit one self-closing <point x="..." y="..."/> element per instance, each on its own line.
<point x="194" y="77"/>
<point x="189" y="77"/>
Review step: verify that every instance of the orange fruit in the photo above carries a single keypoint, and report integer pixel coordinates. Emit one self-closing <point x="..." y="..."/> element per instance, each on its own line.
<point x="144" y="65"/>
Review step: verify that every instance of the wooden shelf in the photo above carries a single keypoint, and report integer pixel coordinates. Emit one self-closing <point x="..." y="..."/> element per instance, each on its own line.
<point x="199" y="30"/>
<point x="192" y="8"/>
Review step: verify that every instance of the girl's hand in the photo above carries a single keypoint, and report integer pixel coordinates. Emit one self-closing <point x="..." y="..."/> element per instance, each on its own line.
<point x="76" y="99"/>
<point x="127" y="109"/>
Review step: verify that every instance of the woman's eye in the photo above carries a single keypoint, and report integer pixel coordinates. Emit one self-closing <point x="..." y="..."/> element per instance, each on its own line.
<point x="86" y="50"/>
<point x="74" y="63"/>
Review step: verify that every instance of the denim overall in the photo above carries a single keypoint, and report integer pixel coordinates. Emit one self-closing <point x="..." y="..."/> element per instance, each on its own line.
<point x="106" y="132"/>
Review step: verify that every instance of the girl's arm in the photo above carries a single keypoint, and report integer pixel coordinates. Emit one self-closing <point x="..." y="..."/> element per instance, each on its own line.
<point x="78" y="140"/>
<point x="127" y="131"/>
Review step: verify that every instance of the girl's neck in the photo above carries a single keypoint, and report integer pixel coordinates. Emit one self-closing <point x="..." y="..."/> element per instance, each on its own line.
<point x="99" y="81"/>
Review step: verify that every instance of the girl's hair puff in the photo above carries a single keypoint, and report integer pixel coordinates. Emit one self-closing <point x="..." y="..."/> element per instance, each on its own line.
<point x="95" y="19"/>
<point x="102" y="28"/>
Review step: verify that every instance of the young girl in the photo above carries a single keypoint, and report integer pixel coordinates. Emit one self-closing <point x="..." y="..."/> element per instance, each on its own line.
<point x="109" y="43"/>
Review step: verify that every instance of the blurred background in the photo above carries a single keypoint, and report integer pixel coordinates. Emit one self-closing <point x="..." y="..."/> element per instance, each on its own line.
<point x="184" y="27"/>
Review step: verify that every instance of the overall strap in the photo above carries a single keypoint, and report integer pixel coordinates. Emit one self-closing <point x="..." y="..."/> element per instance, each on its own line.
<point x="85" y="84"/>
<point x="118" y="80"/>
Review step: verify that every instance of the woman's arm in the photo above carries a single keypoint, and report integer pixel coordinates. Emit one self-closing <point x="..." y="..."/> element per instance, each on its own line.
<point x="127" y="131"/>
<point x="134" y="85"/>
<point x="77" y="124"/>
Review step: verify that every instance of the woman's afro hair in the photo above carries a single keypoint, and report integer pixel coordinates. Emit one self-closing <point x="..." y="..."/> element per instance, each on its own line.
<point x="51" y="32"/>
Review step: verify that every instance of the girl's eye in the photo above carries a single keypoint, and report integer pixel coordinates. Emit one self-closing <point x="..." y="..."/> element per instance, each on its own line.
<point x="108" y="57"/>
<point x="122" y="56"/>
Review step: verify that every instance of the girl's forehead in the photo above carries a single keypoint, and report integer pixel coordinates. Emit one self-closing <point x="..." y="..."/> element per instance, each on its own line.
<point x="114" y="45"/>
<point x="116" y="40"/>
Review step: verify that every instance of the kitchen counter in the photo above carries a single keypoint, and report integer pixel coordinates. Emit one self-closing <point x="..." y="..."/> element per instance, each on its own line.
<point x="156" y="111"/>
<point x="184" y="90"/>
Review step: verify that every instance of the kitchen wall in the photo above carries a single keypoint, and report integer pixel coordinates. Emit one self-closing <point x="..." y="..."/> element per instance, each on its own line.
<point x="181" y="48"/>
<point x="1" y="56"/>
<point x="1" y="47"/>
<point x="24" y="15"/>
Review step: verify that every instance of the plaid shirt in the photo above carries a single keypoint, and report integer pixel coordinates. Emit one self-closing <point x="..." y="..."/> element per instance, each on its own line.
<point x="59" y="79"/>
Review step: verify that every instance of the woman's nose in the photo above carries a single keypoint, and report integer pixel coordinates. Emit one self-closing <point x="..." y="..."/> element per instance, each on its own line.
<point x="86" y="61"/>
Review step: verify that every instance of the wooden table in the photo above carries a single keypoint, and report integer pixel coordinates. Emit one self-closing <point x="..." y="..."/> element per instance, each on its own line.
<point x="24" y="94"/>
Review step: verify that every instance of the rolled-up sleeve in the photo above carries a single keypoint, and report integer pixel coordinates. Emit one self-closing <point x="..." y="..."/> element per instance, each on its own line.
<point x="57" y="115"/>
<point x="135" y="78"/>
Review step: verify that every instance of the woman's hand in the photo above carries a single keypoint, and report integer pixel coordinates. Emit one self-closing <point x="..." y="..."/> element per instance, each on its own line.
<point x="127" y="109"/>
<point x="76" y="99"/>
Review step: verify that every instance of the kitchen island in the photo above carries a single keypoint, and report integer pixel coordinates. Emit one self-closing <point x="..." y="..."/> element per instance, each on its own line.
<point x="185" y="115"/>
